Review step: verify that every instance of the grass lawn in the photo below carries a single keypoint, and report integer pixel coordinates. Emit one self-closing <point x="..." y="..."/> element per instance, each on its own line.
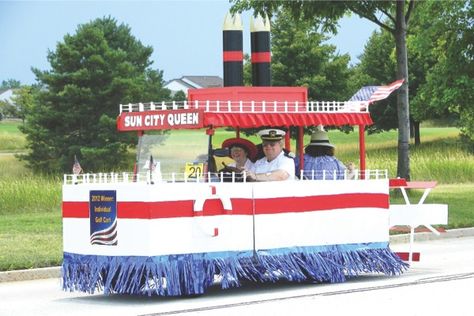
<point x="30" y="240"/>
<point x="11" y="139"/>
<point x="9" y="126"/>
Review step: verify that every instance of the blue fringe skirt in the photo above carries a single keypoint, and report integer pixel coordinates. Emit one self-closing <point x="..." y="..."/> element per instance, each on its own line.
<point x="191" y="274"/>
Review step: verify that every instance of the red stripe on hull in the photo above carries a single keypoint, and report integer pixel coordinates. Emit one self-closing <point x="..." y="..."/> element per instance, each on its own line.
<point x="76" y="209"/>
<point x="175" y="209"/>
<point x="171" y="209"/>
<point x="320" y="203"/>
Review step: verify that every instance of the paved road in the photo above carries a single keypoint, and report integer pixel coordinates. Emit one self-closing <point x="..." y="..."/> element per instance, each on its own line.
<point x="440" y="284"/>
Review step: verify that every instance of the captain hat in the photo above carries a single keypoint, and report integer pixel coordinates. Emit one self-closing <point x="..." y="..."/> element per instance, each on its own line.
<point x="271" y="134"/>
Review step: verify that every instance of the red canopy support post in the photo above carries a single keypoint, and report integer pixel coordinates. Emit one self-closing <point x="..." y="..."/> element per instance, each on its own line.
<point x="362" y="151"/>
<point x="300" y="147"/>
<point x="288" y="139"/>
<point x="237" y="132"/>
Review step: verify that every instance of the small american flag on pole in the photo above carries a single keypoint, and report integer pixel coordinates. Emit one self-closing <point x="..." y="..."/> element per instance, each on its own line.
<point x="76" y="167"/>
<point x="376" y="93"/>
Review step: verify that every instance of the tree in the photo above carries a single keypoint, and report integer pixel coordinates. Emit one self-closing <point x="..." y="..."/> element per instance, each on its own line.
<point x="392" y="16"/>
<point x="445" y="36"/>
<point x="247" y="70"/>
<point x="93" y="71"/>
<point x="377" y="65"/>
<point x="24" y="99"/>
<point x="300" y="58"/>
<point x="3" y="106"/>
<point x="7" y="109"/>
<point x="10" y="84"/>
<point x="179" y="96"/>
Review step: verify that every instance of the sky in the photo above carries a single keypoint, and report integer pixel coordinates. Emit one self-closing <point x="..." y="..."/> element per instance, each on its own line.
<point x="186" y="36"/>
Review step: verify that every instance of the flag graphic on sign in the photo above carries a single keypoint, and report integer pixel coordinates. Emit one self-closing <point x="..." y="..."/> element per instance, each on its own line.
<point x="76" y="168"/>
<point x="106" y="236"/>
<point x="376" y="93"/>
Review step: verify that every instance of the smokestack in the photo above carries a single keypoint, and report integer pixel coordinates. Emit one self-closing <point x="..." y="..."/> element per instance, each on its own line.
<point x="233" y="51"/>
<point x="260" y="46"/>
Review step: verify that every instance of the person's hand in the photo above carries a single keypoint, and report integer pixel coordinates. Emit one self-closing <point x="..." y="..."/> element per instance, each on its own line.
<point x="230" y="169"/>
<point x="251" y="176"/>
<point x="350" y="172"/>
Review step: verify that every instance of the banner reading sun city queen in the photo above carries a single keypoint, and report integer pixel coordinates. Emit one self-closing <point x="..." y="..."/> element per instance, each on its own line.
<point x="156" y="120"/>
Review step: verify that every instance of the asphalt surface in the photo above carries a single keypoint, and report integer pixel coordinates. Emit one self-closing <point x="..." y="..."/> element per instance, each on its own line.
<point x="440" y="283"/>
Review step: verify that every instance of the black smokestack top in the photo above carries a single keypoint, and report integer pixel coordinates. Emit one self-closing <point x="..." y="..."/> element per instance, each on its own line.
<point x="260" y="47"/>
<point x="233" y="51"/>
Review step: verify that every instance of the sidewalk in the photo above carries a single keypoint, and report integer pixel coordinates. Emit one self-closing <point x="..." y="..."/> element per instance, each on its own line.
<point x="55" y="272"/>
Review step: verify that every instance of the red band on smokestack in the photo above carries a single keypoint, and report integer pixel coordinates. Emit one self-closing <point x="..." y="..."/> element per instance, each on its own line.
<point x="263" y="57"/>
<point x="233" y="56"/>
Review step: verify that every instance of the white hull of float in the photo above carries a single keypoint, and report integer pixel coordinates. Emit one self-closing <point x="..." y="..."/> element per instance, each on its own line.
<point x="187" y="233"/>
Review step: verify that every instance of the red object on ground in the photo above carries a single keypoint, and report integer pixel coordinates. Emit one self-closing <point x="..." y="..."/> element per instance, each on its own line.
<point x="404" y="256"/>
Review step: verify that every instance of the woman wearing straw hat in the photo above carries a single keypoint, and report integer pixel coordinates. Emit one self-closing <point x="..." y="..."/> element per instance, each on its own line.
<point x="242" y="151"/>
<point x="319" y="160"/>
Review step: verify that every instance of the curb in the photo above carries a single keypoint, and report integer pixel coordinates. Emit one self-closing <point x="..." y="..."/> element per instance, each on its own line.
<point x="427" y="236"/>
<point x="55" y="272"/>
<point x="30" y="274"/>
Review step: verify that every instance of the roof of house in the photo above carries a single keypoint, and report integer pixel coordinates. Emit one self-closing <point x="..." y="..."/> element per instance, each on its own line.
<point x="6" y="94"/>
<point x="205" y="81"/>
<point x="199" y="81"/>
<point x="180" y="81"/>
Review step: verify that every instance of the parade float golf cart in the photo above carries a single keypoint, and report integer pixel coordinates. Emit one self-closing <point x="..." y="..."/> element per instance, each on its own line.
<point x="174" y="227"/>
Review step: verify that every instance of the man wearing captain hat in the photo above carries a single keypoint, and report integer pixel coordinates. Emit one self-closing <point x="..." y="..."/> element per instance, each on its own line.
<point x="319" y="160"/>
<point x="275" y="165"/>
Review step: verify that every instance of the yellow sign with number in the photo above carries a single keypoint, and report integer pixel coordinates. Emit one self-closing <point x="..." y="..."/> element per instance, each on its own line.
<point x="194" y="170"/>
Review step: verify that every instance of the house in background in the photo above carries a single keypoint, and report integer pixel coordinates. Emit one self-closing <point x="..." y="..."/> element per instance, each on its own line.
<point x="6" y="95"/>
<point x="7" y="106"/>
<point x="193" y="82"/>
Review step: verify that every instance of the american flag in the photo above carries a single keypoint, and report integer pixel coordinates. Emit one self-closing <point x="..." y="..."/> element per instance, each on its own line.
<point x="76" y="168"/>
<point x="376" y="93"/>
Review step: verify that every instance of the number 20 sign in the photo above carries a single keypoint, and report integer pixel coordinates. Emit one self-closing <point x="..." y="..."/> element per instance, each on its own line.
<point x="194" y="170"/>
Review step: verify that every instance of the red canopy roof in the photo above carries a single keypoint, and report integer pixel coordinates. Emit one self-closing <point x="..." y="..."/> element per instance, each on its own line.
<point x="248" y="120"/>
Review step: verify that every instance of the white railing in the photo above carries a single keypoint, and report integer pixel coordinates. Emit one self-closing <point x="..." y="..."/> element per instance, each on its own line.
<point x="344" y="175"/>
<point x="253" y="106"/>
<point x="147" y="178"/>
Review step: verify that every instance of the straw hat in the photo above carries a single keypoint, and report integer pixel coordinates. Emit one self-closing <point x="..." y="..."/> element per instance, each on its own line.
<point x="247" y="145"/>
<point x="320" y="138"/>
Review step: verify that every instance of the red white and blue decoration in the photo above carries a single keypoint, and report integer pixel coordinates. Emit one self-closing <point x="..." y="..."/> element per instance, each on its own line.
<point x="103" y="218"/>
<point x="179" y="238"/>
<point x="376" y="93"/>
